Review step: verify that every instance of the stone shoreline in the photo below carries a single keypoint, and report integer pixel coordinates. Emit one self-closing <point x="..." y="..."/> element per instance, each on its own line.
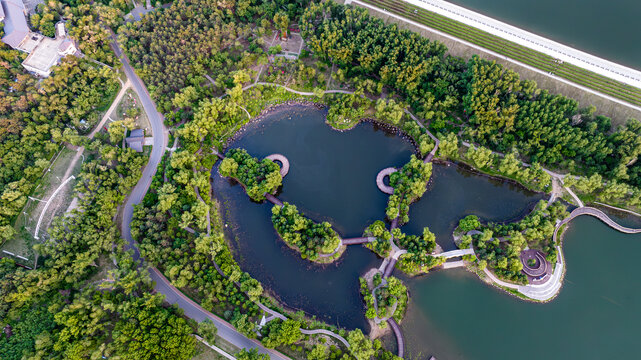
<point x="267" y="111"/>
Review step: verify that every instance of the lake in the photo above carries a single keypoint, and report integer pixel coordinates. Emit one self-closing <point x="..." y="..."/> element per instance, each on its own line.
<point x="608" y="29"/>
<point x="332" y="177"/>
<point x="452" y="314"/>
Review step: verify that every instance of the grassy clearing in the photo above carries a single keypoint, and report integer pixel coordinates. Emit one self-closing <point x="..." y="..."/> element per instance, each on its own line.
<point x="130" y="107"/>
<point x="203" y="352"/>
<point x="515" y="51"/>
<point x="25" y="224"/>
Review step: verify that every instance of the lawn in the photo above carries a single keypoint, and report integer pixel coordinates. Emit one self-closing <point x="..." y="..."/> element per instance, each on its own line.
<point x="25" y="224"/>
<point x="130" y="107"/>
<point x="203" y="352"/>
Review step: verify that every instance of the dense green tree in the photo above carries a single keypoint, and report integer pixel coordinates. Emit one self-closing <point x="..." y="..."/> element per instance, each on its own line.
<point x="208" y="331"/>
<point x="258" y="178"/>
<point x="409" y="185"/>
<point x="469" y="223"/>
<point x="251" y="354"/>
<point x="309" y="237"/>
<point x="448" y="147"/>
<point x="360" y="347"/>
<point x="150" y="332"/>
<point x="318" y="352"/>
<point x="278" y="332"/>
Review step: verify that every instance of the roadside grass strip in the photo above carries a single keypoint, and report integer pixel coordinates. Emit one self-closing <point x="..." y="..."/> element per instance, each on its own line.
<point x="512" y="50"/>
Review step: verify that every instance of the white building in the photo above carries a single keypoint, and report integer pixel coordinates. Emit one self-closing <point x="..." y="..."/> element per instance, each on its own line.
<point x="44" y="52"/>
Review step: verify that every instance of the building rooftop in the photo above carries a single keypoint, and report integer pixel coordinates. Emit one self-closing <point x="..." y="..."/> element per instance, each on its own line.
<point x="44" y="56"/>
<point x="136" y="133"/>
<point x="136" y="139"/>
<point x="16" y="28"/>
<point x="30" y="42"/>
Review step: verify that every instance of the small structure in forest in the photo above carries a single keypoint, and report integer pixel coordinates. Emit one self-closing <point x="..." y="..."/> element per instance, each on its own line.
<point x="136" y="140"/>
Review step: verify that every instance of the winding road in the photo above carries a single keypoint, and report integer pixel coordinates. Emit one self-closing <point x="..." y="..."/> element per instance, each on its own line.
<point x="162" y="284"/>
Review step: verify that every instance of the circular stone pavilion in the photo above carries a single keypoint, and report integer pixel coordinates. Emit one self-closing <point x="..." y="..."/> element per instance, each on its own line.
<point x="284" y="168"/>
<point x="537" y="269"/>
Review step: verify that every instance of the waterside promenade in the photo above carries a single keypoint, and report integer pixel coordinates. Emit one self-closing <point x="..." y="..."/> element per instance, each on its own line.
<point x="562" y="52"/>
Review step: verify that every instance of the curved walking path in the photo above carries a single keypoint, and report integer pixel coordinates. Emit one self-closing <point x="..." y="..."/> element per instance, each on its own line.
<point x="576" y="198"/>
<point x="548" y="290"/>
<point x="44" y="211"/>
<point x="437" y="142"/>
<point x="162" y="284"/>
<point x="618" y="208"/>
<point x="455" y="253"/>
<point x="392" y="310"/>
<point x="380" y="177"/>
<point x="555" y="192"/>
<point x="390" y="267"/>
<point x="208" y="211"/>
<point x="79" y="152"/>
<point x="302" y="93"/>
<point x="325" y="332"/>
<point x="284" y="169"/>
<point x="114" y="104"/>
<point x="400" y="340"/>
<point x="586" y="210"/>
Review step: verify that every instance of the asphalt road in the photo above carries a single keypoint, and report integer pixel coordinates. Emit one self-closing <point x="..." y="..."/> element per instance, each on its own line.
<point x="539" y="43"/>
<point x="163" y="286"/>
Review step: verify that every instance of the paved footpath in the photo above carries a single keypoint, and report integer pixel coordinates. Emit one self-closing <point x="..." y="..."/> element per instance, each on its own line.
<point x="163" y="286"/>
<point x="557" y="50"/>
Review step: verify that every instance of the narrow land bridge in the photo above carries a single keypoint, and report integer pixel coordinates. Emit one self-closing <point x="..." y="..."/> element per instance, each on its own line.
<point x="455" y="253"/>
<point x="549" y="289"/>
<point x="586" y="210"/>
<point x="358" y="240"/>
<point x="400" y="339"/>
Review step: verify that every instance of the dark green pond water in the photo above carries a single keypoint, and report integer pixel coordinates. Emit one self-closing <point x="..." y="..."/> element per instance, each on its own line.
<point x="452" y="314"/>
<point x="608" y="29"/>
<point x="333" y="177"/>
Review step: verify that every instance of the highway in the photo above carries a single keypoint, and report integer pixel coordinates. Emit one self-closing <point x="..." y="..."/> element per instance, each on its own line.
<point x="162" y="284"/>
